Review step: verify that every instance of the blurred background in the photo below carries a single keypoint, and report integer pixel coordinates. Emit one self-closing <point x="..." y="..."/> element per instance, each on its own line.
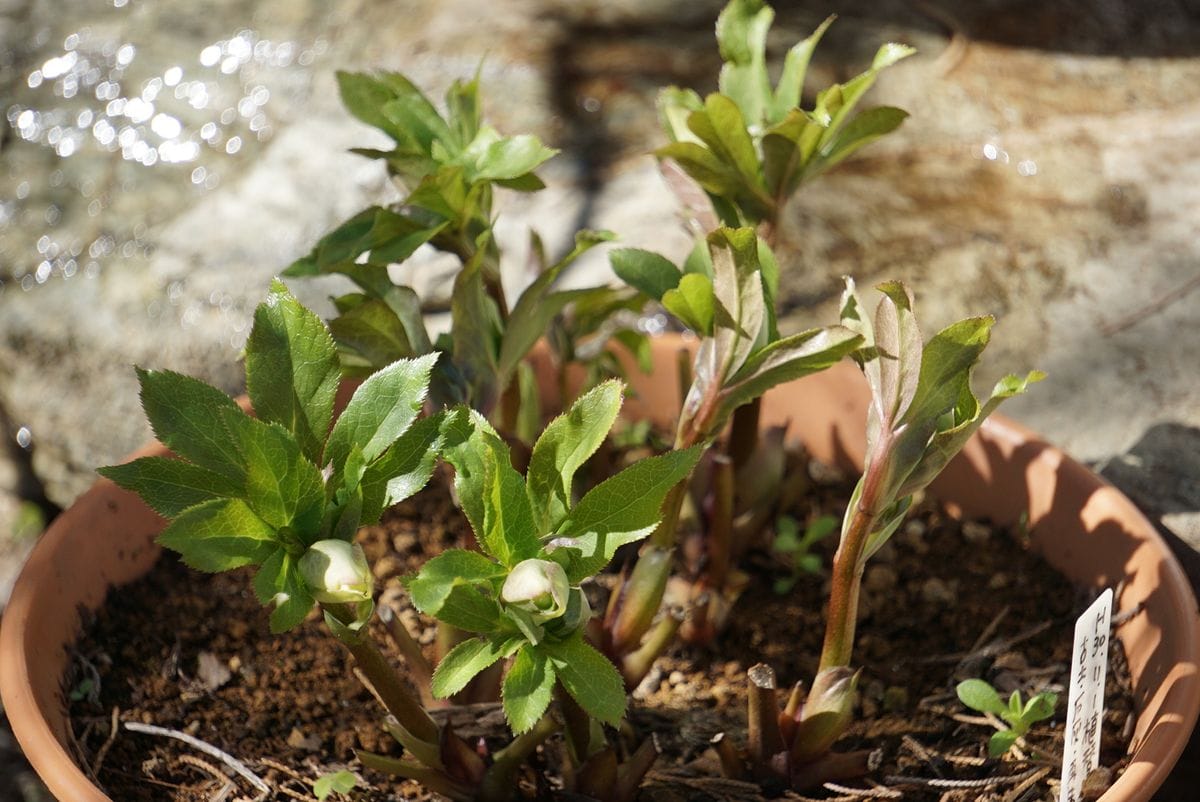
<point x="160" y="161"/>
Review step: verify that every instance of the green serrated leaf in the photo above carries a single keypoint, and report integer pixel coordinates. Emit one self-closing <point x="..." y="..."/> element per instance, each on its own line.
<point x="589" y="677"/>
<point x="466" y="660"/>
<point x="621" y="509"/>
<point x="563" y="447"/>
<point x="447" y="587"/>
<point x="292" y="371"/>
<point x="340" y="246"/>
<point x="181" y="411"/>
<point x="528" y="687"/>
<point x="381" y="409"/>
<point x="476" y="332"/>
<point x="403" y="469"/>
<point x="692" y="302"/>
<point x="282" y="486"/>
<point x="862" y="130"/>
<point x="899" y="341"/>
<point x="509" y="533"/>
<point x="373" y="332"/>
<point x="170" y="486"/>
<point x="219" y="535"/>
<point x="705" y="168"/>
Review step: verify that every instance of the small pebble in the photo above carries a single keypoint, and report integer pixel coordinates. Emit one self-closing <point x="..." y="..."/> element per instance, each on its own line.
<point x="975" y="532"/>
<point x="937" y="591"/>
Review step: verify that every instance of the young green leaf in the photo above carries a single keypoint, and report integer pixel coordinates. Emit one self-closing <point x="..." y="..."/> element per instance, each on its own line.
<point x="282" y="486"/>
<point x="170" y="486"/>
<point x="403" y="469"/>
<point x="1001" y="742"/>
<point x="563" y="447"/>
<point x="438" y="577"/>
<point x="692" y="302"/>
<point x="181" y="411"/>
<point x="795" y="67"/>
<point x="621" y="509"/>
<point x="742" y="38"/>
<point x="371" y="331"/>
<point x="528" y="687"/>
<point x="979" y="695"/>
<point x="381" y="409"/>
<point x="508" y="532"/>
<point x="512" y="157"/>
<point x="538" y="305"/>
<point x="646" y="271"/>
<point x="219" y="535"/>
<point x="785" y="360"/>
<point x="292" y="369"/>
<point x="338" y="782"/>
<point x="589" y="677"/>
<point x="466" y="660"/>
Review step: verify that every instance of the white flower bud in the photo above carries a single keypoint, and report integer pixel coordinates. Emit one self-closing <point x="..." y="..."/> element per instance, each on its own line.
<point x="539" y="587"/>
<point x="336" y="572"/>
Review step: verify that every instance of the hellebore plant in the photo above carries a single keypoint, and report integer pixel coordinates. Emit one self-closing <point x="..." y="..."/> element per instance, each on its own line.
<point x="922" y="413"/>
<point x="286" y="491"/>
<point x="449" y="167"/>
<point x="749" y="147"/>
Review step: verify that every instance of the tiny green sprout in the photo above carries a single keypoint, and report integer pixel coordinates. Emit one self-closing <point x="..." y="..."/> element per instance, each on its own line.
<point x="798" y="547"/>
<point x="337" y="782"/>
<point x="1020" y="716"/>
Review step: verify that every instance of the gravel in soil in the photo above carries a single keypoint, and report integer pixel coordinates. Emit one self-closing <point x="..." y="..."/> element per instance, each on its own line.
<point x="944" y="601"/>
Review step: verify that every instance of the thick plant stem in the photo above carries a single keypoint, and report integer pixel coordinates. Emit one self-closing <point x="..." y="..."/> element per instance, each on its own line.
<point x="383" y="678"/>
<point x="720" y="530"/>
<point x="743" y="433"/>
<point x="843" y="596"/>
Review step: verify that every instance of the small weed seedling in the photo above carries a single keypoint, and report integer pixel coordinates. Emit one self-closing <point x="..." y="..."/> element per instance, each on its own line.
<point x="798" y="547"/>
<point x="338" y="782"/>
<point x="979" y="695"/>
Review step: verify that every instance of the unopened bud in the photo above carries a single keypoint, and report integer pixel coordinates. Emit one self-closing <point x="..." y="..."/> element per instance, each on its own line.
<point x="539" y="587"/>
<point x="336" y="572"/>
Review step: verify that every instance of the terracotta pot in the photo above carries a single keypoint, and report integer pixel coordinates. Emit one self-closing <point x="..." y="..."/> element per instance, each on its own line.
<point x="1083" y="526"/>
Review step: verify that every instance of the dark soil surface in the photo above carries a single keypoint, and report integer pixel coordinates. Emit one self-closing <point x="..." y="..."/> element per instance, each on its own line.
<point x="943" y="602"/>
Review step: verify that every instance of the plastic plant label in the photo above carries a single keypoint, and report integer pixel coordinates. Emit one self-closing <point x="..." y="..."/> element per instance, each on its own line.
<point x="1085" y="707"/>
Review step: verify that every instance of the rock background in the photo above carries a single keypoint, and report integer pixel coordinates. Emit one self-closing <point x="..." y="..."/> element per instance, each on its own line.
<point x="1048" y="174"/>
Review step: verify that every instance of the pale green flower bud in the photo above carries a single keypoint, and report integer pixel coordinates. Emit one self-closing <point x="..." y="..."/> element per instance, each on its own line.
<point x="336" y="572"/>
<point x="539" y="587"/>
